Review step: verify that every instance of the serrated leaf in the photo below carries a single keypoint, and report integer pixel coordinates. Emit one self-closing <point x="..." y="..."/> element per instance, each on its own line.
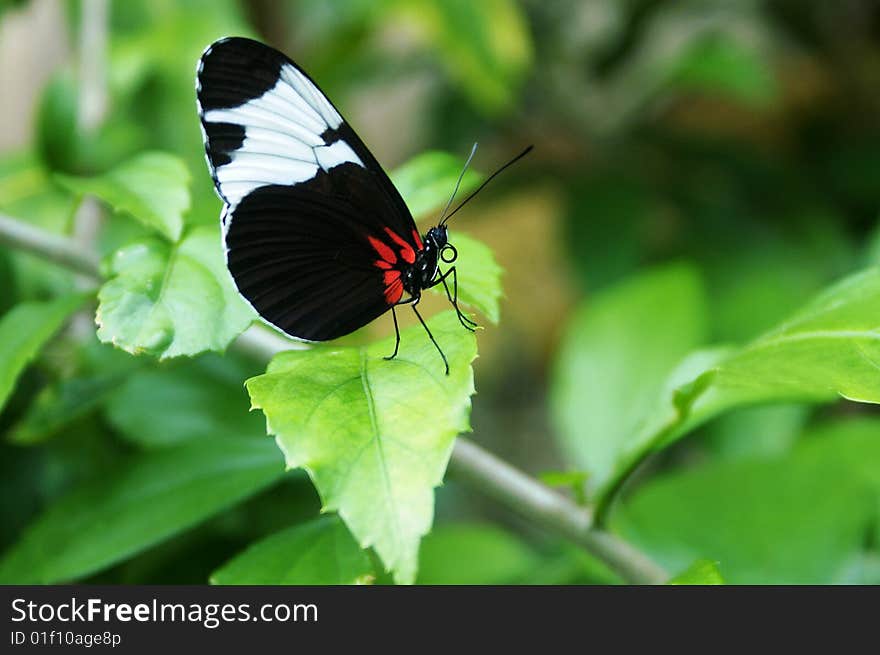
<point x="319" y="552"/>
<point x="701" y="572"/>
<point x="171" y="299"/>
<point x="479" y="276"/>
<point x="152" y="186"/>
<point x="374" y="435"/>
<point x="427" y="180"/>
<point x="619" y="350"/>
<point x="24" y="330"/>
<point x="158" y="495"/>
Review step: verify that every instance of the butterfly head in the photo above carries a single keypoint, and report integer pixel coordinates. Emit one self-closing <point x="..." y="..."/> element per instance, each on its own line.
<point x="438" y="241"/>
<point x="438" y="237"/>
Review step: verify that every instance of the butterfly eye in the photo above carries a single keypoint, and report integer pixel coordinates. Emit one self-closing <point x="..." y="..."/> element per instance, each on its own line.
<point x="449" y="254"/>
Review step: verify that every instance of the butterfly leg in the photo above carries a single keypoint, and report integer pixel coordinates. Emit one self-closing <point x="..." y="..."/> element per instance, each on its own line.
<point x="461" y="316"/>
<point x="396" y="334"/>
<point x="453" y="297"/>
<point x="430" y="336"/>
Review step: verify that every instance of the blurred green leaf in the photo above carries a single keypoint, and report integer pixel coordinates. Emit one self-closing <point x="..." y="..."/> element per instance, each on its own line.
<point x="6" y="5"/>
<point x="756" y="287"/>
<point x="27" y="194"/>
<point x="171" y="300"/>
<point x="63" y="144"/>
<point x="614" y="360"/>
<point x="570" y="565"/>
<point x="485" y="46"/>
<point x="701" y="572"/>
<point x="794" y="520"/>
<point x="611" y="215"/>
<point x="153" y="55"/>
<point x="56" y="133"/>
<point x="721" y="64"/>
<point x="319" y="552"/>
<point x="24" y="330"/>
<point x="831" y="348"/>
<point x="762" y="430"/>
<point x="168" y="405"/>
<point x="57" y="405"/>
<point x="828" y="350"/>
<point x="153" y="187"/>
<point x="157" y="496"/>
<point x="374" y="435"/>
<point x="574" y="481"/>
<point x="426" y="181"/>
<point x="473" y="555"/>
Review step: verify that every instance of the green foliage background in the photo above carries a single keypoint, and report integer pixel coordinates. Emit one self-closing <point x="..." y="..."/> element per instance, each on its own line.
<point x="679" y="289"/>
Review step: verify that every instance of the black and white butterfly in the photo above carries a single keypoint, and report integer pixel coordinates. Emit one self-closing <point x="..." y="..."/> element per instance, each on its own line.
<point x="317" y="238"/>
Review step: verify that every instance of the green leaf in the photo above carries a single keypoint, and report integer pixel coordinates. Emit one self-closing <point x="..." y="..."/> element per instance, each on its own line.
<point x="614" y="362"/>
<point x="170" y="300"/>
<point x="758" y="431"/>
<point x="721" y="64"/>
<point x="801" y="519"/>
<point x="473" y="555"/>
<point x="427" y="180"/>
<point x="153" y="187"/>
<point x="24" y="330"/>
<point x="319" y="552"/>
<point x="57" y="405"/>
<point x="574" y="481"/>
<point x="701" y="572"/>
<point x="830" y="349"/>
<point x="158" y="495"/>
<point x="168" y="405"/>
<point x="374" y="435"/>
<point x="670" y="417"/>
<point x="485" y="45"/>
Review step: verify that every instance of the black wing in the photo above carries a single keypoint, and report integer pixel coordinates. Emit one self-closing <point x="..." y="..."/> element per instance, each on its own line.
<point x="316" y="235"/>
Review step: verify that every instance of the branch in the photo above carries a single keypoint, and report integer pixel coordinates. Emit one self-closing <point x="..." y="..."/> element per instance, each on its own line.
<point x="60" y="250"/>
<point x="469" y="462"/>
<point x="537" y="502"/>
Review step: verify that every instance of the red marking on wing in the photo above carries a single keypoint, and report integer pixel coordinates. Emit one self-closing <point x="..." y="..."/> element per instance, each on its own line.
<point x="381" y="263"/>
<point x="384" y="251"/>
<point x="394" y="293"/>
<point x="393" y="286"/>
<point x="418" y="239"/>
<point x="406" y="250"/>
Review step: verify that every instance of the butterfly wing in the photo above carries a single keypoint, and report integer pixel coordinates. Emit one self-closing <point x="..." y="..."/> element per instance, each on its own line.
<point x="316" y="234"/>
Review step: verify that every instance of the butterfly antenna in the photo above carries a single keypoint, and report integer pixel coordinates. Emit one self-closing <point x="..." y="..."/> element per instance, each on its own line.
<point x="458" y="184"/>
<point x="486" y="181"/>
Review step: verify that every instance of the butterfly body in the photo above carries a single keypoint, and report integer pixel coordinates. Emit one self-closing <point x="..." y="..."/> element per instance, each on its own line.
<point x="317" y="238"/>
<point x="424" y="271"/>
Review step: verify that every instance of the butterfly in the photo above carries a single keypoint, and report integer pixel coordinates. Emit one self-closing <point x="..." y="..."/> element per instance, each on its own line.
<point x="316" y="237"/>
